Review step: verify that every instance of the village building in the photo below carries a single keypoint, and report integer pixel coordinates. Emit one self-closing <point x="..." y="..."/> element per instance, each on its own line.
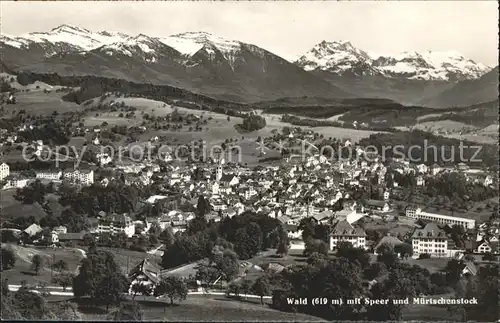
<point x="430" y="240"/>
<point x="342" y="231"/>
<point x="417" y="213"/>
<point x="116" y="223"/>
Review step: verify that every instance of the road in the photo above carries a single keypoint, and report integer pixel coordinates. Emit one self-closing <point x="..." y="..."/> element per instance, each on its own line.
<point x="57" y="291"/>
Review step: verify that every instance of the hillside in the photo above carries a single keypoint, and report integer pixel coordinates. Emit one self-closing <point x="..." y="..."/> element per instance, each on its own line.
<point x="468" y="92"/>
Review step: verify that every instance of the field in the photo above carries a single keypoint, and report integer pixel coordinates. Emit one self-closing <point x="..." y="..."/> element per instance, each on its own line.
<point x="22" y="269"/>
<point x="11" y="208"/>
<point x="203" y="308"/>
<point x="431" y="264"/>
<point x="36" y="102"/>
<point x="127" y="259"/>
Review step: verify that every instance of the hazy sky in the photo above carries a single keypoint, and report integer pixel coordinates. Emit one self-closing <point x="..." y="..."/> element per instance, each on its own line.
<point x="285" y="28"/>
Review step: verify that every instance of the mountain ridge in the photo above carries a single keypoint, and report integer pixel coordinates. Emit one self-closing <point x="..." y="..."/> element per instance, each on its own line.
<point x="217" y="67"/>
<point x="342" y="58"/>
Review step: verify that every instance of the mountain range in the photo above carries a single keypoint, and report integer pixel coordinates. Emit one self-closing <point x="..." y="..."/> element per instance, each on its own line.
<point x="232" y="70"/>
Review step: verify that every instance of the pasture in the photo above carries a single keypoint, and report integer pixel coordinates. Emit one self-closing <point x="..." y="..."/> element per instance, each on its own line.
<point x="38" y="103"/>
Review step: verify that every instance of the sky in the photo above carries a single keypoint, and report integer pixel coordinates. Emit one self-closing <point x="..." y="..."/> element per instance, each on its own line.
<point x="286" y="28"/>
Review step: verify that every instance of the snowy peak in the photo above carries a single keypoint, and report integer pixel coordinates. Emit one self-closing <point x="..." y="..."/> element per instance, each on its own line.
<point x="70" y="29"/>
<point x="341" y="58"/>
<point x="191" y="42"/>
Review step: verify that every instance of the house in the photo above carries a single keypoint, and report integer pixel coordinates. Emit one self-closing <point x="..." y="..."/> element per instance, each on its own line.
<point x="33" y="230"/>
<point x="483" y="247"/>
<point x="60" y="229"/>
<point x="389" y="241"/>
<point x="145" y="273"/>
<point x="53" y="237"/>
<point x="84" y="176"/>
<point x="376" y="205"/>
<point x="416" y="213"/>
<point x="468" y="269"/>
<point x="50" y="175"/>
<point x="323" y="217"/>
<point x="116" y="223"/>
<point x="293" y="231"/>
<point x="430" y="240"/>
<point x="71" y="237"/>
<point x="342" y="231"/>
<point x="434" y="169"/>
<point x="15" y="181"/>
<point x="4" y="171"/>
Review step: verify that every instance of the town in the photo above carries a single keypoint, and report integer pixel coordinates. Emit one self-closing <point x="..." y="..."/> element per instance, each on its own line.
<point x="314" y="206"/>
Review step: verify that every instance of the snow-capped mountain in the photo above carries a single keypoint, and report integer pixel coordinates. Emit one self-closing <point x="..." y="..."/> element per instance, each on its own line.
<point x="198" y="61"/>
<point x="342" y="58"/>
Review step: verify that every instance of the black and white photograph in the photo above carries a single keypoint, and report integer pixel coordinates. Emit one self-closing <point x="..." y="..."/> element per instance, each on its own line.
<point x="233" y="161"/>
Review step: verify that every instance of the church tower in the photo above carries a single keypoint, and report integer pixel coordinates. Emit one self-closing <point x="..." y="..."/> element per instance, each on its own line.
<point x="218" y="173"/>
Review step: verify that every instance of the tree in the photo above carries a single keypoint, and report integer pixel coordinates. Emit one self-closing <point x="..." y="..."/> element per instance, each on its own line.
<point x="131" y="312"/>
<point x="60" y="265"/>
<point x="202" y="206"/>
<point x="142" y="289"/>
<point x="9" y="236"/>
<point x="261" y="288"/>
<point x="307" y="226"/>
<point x="357" y="255"/>
<point x="315" y="245"/>
<point x="388" y="257"/>
<point x="66" y="311"/>
<point x="37" y="263"/>
<point x="245" y="286"/>
<point x="489" y="257"/>
<point x="405" y="250"/>
<point x="248" y="241"/>
<point x="233" y="289"/>
<point x="63" y="279"/>
<point x="8" y="258"/>
<point x="173" y="288"/>
<point x="167" y="237"/>
<point x="99" y="277"/>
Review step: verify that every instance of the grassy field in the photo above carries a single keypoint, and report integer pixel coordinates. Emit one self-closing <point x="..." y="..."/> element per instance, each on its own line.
<point x="11" y="208"/>
<point x="127" y="259"/>
<point x="36" y="102"/>
<point x="431" y="264"/>
<point x="206" y="308"/>
<point x="23" y="271"/>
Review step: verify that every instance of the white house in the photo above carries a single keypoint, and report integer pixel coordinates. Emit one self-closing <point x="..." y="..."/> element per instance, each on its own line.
<point x="416" y="213"/>
<point x="116" y="223"/>
<point x="50" y="175"/>
<point x="84" y="177"/>
<point x="4" y="171"/>
<point x="431" y="240"/>
<point x="16" y="181"/>
<point x="342" y="231"/>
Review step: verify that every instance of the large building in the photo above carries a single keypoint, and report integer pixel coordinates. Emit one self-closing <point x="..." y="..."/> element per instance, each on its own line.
<point x="430" y="240"/>
<point x="342" y="231"/>
<point x="145" y="273"/>
<point x="4" y="171"/>
<point x="84" y="176"/>
<point x="116" y="223"/>
<point x="50" y="175"/>
<point x="416" y="213"/>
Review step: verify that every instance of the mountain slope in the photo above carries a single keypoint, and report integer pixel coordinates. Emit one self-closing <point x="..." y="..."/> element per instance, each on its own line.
<point x="342" y="58"/>
<point x="197" y="61"/>
<point x="468" y="92"/>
